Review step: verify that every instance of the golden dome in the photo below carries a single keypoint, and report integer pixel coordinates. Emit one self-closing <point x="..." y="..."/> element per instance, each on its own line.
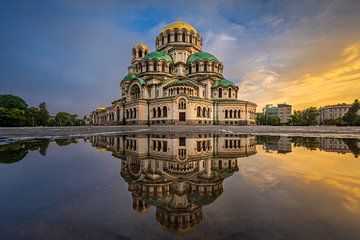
<point x="178" y="24"/>
<point x="101" y="108"/>
<point x="142" y="45"/>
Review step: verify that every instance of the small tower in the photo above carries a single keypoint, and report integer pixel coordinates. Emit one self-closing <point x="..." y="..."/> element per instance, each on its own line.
<point x="138" y="52"/>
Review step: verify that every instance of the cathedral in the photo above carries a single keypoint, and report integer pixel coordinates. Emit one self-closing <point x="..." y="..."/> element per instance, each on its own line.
<point x="176" y="84"/>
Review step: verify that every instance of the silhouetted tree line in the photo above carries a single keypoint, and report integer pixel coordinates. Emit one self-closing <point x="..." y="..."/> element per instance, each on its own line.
<point x="15" y="112"/>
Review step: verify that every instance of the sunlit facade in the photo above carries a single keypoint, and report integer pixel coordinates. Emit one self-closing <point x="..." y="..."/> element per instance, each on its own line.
<point x="176" y="84"/>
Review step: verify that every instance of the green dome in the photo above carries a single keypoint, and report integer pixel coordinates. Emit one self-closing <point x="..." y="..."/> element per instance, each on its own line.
<point x="159" y="56"/>
<point x="223" y="83"/>
<point x="201" y="56"/>
<point x="129" y="77"/>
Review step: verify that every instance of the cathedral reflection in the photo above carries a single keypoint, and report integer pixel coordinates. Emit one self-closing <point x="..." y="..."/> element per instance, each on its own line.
<point x="176" y="174"/>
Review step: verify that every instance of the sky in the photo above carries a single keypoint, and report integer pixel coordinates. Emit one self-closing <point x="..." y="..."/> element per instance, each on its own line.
<point x="73" y="54"/>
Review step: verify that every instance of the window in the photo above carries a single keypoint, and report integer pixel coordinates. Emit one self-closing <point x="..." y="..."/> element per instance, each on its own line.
<point x="168" y="38"/>
<point x="204" y="112"/>
<point x="220" y="92"/>
<point x="182" y="141"/>
<point x="205" y="67"/>
<point x="190" y="69"/>
<point x="230" y="113"/>
<point x="155" y="66"/>
<point x="226" y="113"/>
<point x="176" y="37"/>
<point x="147" y="66"/>
<point x="134" y="112"/>
<point x="163" y="67"/>
<point x="162" y="40"/>
<point x="229" y="92"/>
<point x="197" y="67"/>
<point x="164" y="146"/>
<point x="154" y="112"/>
<point x="183" y="37"/>
<point x="164" y="111"/>
<point x="140" y="53"/>
<point x="159" y="112"/>
<point x="198" y="113"/>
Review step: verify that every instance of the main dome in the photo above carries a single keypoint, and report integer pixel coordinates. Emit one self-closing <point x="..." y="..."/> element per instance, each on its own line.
<point x="178" y="24"/>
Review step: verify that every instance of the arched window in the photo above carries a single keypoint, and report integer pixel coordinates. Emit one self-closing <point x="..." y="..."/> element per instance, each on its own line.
<point x="182" y="104"/>
<point x="176" y="37"/>
<point x="162" y="40"/>
<point x="154" y="113"/>
<point x="155" y="66"/>
<point x="220" y="92"/>
<point x="164" y="146"/>
<point x="183" y="37"/>
<point x="147" y="66"/>
<point x="134" y="112"/>
<point x="190" y="68"/>
<point x="159" y="112"/>
<point x="168" y="38"/>
<point x="208" y="113"/>
<point x="163" y="67"/>
<point x="131" y="113"/>
<point x="205" y="66"/>
<point x="230" y="113"/>
<point x="191" y="38"/>
<point x="229" y="92"/>
<point x="204" y="112"/>
<point x="140" y="53"/>
<point x="140" y="67"/>
<point x="118" y="114"/>
<point x="164" y="111"/>
<point x="212" y="67"/>
<point x="239" y="114"/>
<point x="235" y="113"/>
<point x="127" y="113"/>
<point x="177" y="90"/>
<point x="197" y="67"/>
<point x="170" y="68"/>
<point x="135" y="92"/>
<point x="226" y="113"/>
<point x="198" y="112"/>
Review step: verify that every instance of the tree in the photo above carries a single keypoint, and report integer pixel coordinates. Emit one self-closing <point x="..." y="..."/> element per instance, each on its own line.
<point x="9" y="101"/>
<point x="44" y="115"/>
<point x="62" y="118"/>
<point x="351" y="116"/>
<point x="305" y="117"/>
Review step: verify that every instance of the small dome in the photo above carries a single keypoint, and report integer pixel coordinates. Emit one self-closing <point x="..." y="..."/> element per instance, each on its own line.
<point x="159" y="56"/>
<point x="129" y="77"/>
<point x="142" y="45"/>
<point x="101" y="108"/>
<point x="179" y="25"/>
<point x="201" y="56"/>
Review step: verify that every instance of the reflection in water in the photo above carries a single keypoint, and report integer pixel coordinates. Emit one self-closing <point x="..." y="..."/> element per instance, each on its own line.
<point x="177" y="174"/>
<point x="15" y="152"/>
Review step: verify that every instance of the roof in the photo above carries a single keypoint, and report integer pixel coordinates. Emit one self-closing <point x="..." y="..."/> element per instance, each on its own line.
<point x="200" y="56"/>
<point x="223" y="83"/>
<point x="129" y="77"/>
<point x="179" y="25"/>
<point x="142" y="45"/>
<point x="101" y="108"/>
<point x="159" y="56"/>
<point x="182" y="83"/>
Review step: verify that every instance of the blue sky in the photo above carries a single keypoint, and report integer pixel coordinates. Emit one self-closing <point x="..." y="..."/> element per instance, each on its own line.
<point x="73" y="54"/>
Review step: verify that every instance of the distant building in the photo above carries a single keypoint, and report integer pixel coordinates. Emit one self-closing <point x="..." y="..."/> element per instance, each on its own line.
<point x="280" y="145"/>
<point x="283" y="111"/>
<point x="334" y="145"/>
<point x="331" y="112"/>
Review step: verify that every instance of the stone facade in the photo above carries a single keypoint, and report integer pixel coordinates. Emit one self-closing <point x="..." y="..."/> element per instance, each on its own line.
<point x="331" y="112"/>
<point x="176" y="84"/>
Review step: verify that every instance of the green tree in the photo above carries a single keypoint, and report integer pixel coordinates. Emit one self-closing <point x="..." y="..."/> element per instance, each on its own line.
<point x="9" y="101"/>
<point x="44" y="115"/>
<point x="305" y="117"/>
<point x="351" y="116"/>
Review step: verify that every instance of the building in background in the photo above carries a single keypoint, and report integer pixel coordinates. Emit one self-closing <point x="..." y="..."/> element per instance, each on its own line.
<point x="283" y="111"/>
<point x="177" y="83"/>
<point x="331" y="112"/>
